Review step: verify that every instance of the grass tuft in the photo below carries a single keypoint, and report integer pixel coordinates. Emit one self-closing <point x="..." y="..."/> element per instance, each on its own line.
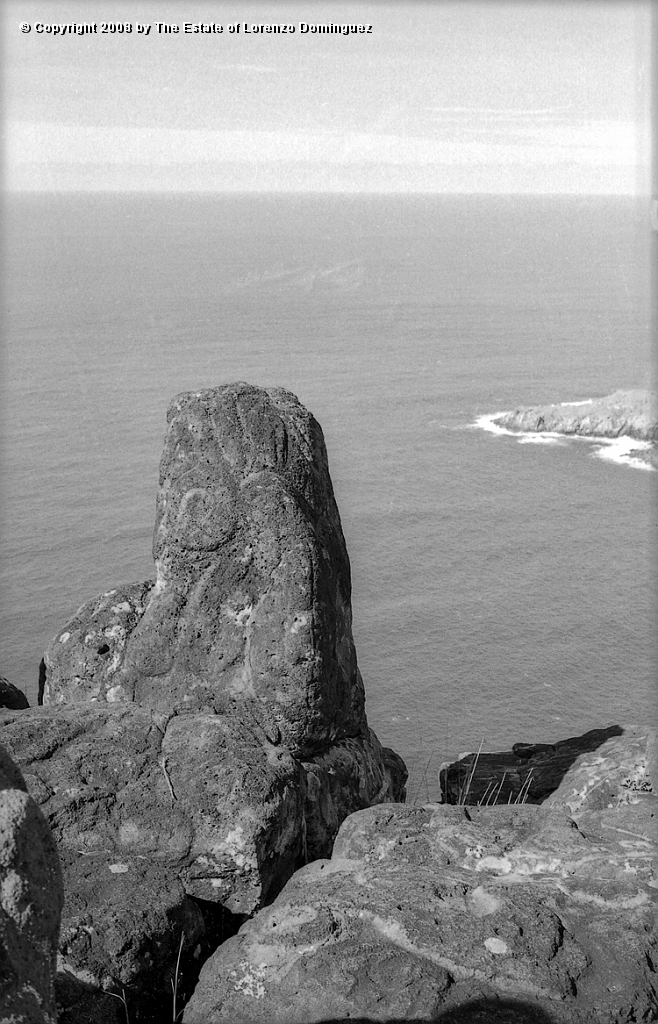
<point x="491" y="795"/>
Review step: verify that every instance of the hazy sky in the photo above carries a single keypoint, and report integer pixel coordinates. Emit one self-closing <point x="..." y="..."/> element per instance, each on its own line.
<point x="441" y="96"/>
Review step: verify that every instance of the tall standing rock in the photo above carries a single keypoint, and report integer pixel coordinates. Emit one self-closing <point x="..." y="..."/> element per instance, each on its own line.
<point x="252" y="594"/>
<point x="204" y="734"/>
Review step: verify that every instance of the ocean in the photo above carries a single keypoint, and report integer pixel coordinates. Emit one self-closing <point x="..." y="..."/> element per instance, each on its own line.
<point x="502" y="591"/>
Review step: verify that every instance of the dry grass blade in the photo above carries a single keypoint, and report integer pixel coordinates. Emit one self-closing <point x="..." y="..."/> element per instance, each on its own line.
<point x="464" y="791"/>
<point x="525" y="789"/>
<point x="174" y="980"/>
<point x="482" y="802"/>
<point x="122" y="999"/>
<point x="499" y="790"/>
<point x="423" y="779"/>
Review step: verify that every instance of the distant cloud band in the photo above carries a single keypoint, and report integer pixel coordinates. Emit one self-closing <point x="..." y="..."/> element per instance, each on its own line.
<point x="595" y="143"/>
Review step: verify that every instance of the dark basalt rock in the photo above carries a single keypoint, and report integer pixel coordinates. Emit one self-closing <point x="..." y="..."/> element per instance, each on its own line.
<point x="11" y="697"/>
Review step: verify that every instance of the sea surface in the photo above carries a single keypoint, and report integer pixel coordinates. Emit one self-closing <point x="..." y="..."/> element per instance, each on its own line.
<point x="502" y="591"/>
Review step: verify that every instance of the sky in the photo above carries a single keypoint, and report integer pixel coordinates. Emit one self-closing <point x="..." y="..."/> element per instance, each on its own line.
<point x="440" y="96"/>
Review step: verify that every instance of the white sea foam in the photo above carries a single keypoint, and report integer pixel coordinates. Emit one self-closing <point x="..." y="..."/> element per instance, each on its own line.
<point x="547" y="438"/>
<point x="486" y="422"/>
<point x="585" y="401"/>
<point x="618" y="449"/>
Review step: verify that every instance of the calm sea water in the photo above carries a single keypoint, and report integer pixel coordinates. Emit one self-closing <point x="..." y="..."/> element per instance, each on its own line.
<point x="501" y="591"/>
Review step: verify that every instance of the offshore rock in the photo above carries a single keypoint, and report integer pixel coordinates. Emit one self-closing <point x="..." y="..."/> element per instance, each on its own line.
<point x="632" y="413"/>
<point x="11" y="697"/>
<point x="30" y="904"/>
<point x="451" y="914"/>
<point x="601" y="768"/>
<point x="252" y="597"/>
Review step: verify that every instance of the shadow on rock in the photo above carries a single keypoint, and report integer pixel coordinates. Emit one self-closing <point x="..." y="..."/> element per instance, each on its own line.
<point x="480" y="1011"/>
<point x="495" y="1011"/>
<point x="528" y="773"/>
<point x="153" y="1002"/>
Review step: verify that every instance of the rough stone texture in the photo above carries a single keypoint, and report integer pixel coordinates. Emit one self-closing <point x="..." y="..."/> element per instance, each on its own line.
<point x="452" y="914"/>
<point x="601" y="768"/>
<point x="619" y="772"/>
<point x="11" y="697"/>
<point x="203" y="735"/>
<point x="632" y="413"/>
<point x="30" y="904"/>
<point x="252" y="592"/>
<point x="249" y="616"/>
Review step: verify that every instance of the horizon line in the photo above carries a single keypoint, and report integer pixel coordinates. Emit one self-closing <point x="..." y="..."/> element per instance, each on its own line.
<point x="649" y="195"/>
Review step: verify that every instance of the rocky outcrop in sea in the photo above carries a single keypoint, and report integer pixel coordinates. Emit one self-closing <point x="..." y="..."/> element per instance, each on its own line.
<point x="632" y="414"/>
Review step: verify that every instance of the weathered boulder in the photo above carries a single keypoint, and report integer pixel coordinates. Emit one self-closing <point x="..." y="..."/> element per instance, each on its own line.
<point x="30" y="904"/>
<point x="11" y="697"/>
<point x="203" y="735"/>
<point x="602" y="768"/>
<point x="450" y="914"/>
<point x="633" y="413"/>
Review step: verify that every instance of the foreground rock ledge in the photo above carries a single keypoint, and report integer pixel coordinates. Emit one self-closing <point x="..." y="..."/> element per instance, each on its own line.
<point x="424" y="911"/>
<point x="511" y="914"/>
<point x="204" y="734"/>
